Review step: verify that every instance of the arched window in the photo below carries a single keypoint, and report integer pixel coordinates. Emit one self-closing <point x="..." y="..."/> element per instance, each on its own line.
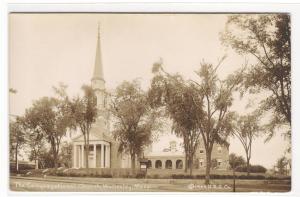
<point x="158" y="164"/>
<point x="179" y="164"/>
<point x="168" y="164"/>
<point x="149" y="164"/>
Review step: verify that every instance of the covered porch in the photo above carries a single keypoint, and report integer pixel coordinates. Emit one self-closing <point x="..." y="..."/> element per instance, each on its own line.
<point x="98" y="154"/>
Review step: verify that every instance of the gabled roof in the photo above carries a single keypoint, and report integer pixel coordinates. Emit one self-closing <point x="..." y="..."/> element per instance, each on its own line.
<point x="95" y="135"/>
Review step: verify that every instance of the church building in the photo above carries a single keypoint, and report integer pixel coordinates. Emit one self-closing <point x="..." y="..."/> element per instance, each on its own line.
<point x="103" y="149"/>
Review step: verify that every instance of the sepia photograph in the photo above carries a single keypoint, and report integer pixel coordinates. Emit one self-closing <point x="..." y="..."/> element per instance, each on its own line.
<point x="149" y="102"/>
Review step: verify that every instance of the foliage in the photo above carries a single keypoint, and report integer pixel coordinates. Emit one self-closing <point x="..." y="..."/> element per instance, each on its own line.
<point x="34" y="134"/>
<point x="65" y="156"/>
<point x="84" y="114"/>
<point x="46" y="159"/>
<point x="52" y="117"/>
<point x="16" y="137"/>
<point x="197" y="108"/>
<point x="135" y="121"/>
<point x="246" y="129"/>
<point x="251" y="168"/>
<point x="266" y="37"/>
<point x="282" y="164"/>
<point x="236" y="161"/>
<point x="183" y="105"/>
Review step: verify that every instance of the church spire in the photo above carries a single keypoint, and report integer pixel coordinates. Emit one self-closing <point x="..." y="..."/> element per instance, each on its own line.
<point x="98" y="69"/>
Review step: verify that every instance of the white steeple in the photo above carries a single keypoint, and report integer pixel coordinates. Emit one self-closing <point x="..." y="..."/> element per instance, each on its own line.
<point x="98" y="81"/>
<point x="98" y="84"/>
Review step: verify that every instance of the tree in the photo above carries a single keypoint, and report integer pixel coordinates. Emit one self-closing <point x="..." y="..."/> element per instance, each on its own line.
<point x="202" y="109"/>
<point x="17" y="138"/>
<point x="281" y="165"/>
<point x="236" y="161"/>
<point x="53" y="117"/>
<point x="84" y="114"/>
<point x="182" y="104"/>
<point x="266" y="37"/>
<point x="135" y="121"/>
<point x="65" y="156"/>
<point x="46" y="159"/>
<point x="246" y="130"/>
<point x="34" y="135"/>
<point x="216" y="122"/>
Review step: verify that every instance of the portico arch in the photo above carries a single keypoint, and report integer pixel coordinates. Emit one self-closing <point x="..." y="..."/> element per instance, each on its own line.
<point x="158" y="164"/>
<point x="168" y="164"/>
<point x="179" y="164"/>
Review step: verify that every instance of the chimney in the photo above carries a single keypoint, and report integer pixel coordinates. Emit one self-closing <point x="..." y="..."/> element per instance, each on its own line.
<point x="173" y="146"/>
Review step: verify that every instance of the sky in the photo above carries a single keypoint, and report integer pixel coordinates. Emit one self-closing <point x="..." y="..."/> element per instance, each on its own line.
<point x="45" y="49"/>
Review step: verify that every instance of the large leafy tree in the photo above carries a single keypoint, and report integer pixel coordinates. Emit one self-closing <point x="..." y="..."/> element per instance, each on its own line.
<point x="246" y="129"/>
<point x="183" y="105"/>
<point x="53" y="119"/>
<point x="216" y="122"/>
<point x="265" y="37"/>
<point x="203" y="110"/>
<point x="34" y="134"/>
<point x="135" y="122"/>
<point x="16" y="138"/>
<point x="84" y="114"/>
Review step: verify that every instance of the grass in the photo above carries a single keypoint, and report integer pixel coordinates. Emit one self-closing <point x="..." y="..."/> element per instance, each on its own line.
<point x="151" y="174"/>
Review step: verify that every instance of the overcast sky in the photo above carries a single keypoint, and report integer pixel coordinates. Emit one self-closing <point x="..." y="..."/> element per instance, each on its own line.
<point x="46" y="49"/>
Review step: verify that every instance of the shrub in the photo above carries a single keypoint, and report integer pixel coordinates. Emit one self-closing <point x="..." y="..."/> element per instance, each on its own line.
<point x="253" y="169"/>
<point x="140" y="175"/>
<point x="23" y="168"/>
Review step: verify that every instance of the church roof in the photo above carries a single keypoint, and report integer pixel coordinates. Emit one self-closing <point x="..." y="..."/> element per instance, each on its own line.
<point x="94" y="136"/>
<point x="98" y="69"/>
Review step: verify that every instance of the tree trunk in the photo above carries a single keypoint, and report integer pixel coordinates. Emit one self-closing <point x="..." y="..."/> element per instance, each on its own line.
<point x="87" y="156"/>
<point x="36" y="164"/>
<point x="55" y="161"/>
<point x="248" y="166"/>
<point x="87" y="149"/>
<point x="208" y="165"/>
<point x="16" y="158"/>
<point x="132" y="161"/>
<point x="191" y="164"/>
<point x="233" y="188"/>
<point x="186" y="164"/>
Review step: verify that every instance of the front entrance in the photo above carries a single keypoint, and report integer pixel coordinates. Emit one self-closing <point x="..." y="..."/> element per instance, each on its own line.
<point x="98" y="155"/>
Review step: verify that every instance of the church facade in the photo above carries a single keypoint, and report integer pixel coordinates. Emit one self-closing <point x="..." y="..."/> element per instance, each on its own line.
<point x="103" y="149"/>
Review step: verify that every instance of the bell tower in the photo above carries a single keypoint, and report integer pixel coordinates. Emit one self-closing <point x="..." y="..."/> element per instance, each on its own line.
<point x="98" y="85"/>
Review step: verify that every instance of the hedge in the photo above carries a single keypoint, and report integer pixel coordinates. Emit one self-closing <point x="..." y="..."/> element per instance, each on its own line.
<point x="253" y="169"/>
